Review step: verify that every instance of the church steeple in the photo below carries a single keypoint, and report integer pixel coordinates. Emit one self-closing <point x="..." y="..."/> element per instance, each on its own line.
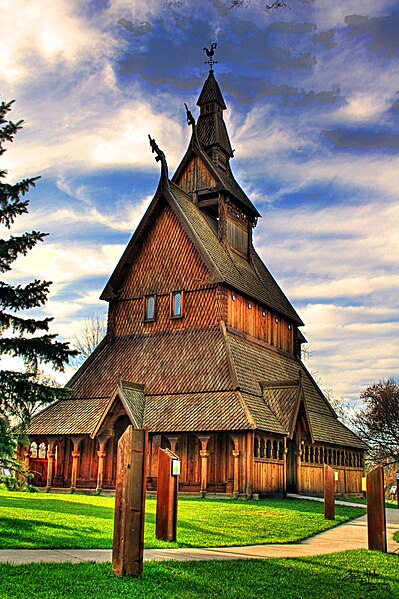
<point x="211" y="128"/>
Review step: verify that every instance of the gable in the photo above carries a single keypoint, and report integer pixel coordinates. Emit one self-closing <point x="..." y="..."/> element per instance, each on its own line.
<point x="195" y="176"/>
<point x="165" y="259"/>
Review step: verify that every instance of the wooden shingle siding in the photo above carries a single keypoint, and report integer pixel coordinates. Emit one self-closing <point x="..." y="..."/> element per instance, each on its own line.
<point x="166" y="261"/>
<point x="202" y="307"/>
<point x="259" y="322"/>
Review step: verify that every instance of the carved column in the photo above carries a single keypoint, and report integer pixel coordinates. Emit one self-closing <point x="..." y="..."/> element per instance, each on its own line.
<point x="204" y="453"/>
<point x="75" y="464"/>
<point x="250" y="464"/>
<point x="75" y="461"/>
<point x="236" y="456"/>
<point x="173" y="442"/>
<point x="102" y="454"/>
<point x="50" y="462"/>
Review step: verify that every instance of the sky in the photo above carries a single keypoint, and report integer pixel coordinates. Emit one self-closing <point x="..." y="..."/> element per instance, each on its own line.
<point x="312" y="91"/>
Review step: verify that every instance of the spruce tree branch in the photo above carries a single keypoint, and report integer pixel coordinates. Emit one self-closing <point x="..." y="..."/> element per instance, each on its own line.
<point x="11" y="248"/>
<point x="32" y="295"/>
<point x="22" y="325"/>
<point x="38" y="349"/>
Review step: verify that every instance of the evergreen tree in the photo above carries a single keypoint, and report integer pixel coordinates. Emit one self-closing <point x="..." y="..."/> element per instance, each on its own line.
<point x="20" y="336"/>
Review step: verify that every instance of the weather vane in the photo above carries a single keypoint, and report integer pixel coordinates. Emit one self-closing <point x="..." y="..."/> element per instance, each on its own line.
<point x="210" y="53"/>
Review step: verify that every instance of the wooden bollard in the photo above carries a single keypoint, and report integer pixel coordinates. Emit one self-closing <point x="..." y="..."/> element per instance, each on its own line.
<point x="376" y="522"/>
<point x="167" y="485"/>
<point x="128" y="544"/>
<point x="329" y="493"/>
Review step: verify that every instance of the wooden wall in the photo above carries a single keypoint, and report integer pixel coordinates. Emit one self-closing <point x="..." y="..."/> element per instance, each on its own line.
<point x="312" y="479"/>
<point x="268" y="476"/>
<point x="167" y="261"/>
<point x="312" y="482"/>
<point x="248" y="317"/>
<point x="196" y="177"/>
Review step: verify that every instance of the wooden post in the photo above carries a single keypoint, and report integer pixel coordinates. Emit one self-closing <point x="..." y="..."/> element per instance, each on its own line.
<point x="250" y="464"/>
<point x="285" y="451"/>
<point x="74" y="474"/>
<point x="102" y="454"/>
<point x="131" y="475"/>
<point x="50" y="464"/>
<point x="236" y="485"/>
<point x="76" y="440"/>
<point x="204" y="453"/>
<point x="376" y="523"/>
<point x="329" y="493"/>
<point x="167" y="485"/>
<point x="298" y="455"/>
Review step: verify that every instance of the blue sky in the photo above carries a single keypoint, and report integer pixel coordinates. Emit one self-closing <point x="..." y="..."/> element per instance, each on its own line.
<point x="313" y="113"/>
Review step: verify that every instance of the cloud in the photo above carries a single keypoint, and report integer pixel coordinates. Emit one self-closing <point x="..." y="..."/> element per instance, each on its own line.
<point x="383" y="32"/>
<point x="362" y="139"/>
<point x="141" y="29"/>
<point x="326" y="38"/>
<point x="291" y="28"/>
<point x="47" y="33"/>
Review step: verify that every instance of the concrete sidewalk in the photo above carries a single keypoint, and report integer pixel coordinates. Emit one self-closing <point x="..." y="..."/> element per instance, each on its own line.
<point x="352" y="535"/>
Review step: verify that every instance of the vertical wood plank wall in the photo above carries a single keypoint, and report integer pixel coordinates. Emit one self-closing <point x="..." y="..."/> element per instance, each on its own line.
<point x="268" y="476"/>
<point x="248" y="317"/>
<point x="196" y="177"/>
<point x="349" y="479"/>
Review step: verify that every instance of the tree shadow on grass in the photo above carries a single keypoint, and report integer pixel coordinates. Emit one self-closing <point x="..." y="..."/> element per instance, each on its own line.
<point x="40" y="503"/>
<point x="42" y="534"/>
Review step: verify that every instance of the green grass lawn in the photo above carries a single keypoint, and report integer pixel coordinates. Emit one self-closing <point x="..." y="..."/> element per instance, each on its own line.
<point x="41" y="520"/>
<point x="362" y="500"/>
<point x="349" y="575"/>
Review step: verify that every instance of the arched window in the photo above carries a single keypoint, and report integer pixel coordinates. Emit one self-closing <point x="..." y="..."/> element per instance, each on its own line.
<point x="262" y="448"/>
<point x="316" y="455"/>
<point x="306" y="459"/>
<point x="33" y="449"/>
<point x="311" y="455"/>
<point x="281" y="450"/>
<point x="274" y="450"/>
<point x="42" y="451"/>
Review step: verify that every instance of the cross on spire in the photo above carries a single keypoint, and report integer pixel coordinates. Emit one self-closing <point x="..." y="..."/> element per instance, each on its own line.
<point x="210" y="53"/>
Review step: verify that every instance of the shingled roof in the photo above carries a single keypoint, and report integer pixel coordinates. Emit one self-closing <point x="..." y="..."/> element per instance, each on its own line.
<point x="218" y="388"/>
<point x="257" y="363"/>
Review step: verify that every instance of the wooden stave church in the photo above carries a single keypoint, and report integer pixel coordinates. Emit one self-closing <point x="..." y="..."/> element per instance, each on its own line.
<point x="202" y="348"/>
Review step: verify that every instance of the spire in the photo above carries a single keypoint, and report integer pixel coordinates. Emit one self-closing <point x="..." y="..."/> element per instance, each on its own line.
<point x="211" y="128"/>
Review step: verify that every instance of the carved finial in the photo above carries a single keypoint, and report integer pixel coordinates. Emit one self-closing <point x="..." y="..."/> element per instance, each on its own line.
<point x="160" y="156"/>
<point x="210" y="54"/>
<point x="190" y="118"/>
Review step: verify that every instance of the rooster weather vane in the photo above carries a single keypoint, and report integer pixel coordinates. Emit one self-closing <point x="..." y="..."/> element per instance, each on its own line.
<point x="210" y="54"/>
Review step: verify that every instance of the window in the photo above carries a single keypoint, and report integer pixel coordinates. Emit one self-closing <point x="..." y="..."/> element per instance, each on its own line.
<point x="149" y="308"/>
<point x="33" y="450"/>
<point x="42" y="451"/>
<point x="176" y="308"/>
